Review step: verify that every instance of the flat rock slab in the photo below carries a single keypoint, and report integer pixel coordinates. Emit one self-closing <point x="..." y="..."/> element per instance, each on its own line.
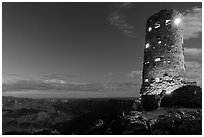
<point x="163" y="111"/>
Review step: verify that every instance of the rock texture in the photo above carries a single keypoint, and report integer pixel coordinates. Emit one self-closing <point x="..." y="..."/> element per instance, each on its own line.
<point x="97" y="117"/>
<point x="187" y="96"/>
<point x="170" y="122"/>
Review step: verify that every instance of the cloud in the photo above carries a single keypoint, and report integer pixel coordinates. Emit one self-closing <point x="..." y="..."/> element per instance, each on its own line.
<point x="70" y="78"/>
<point x="118" y="18"/>
<point x="197" y="52"/>
<point x="11" y="74"/>
<point x="121" y="86"/>
<point x="124" y="5"/>
<point x="193" y="58"/>
<point x="62" y="76"/>
<point x="24" y="85"/>
<point x="135" y="73"/>
<point x="53" y="84"/>
<point x="193" y="65"/>
<point x="193" y="53"/>
<point x="58" y="85"/>
<point x="194" y="71"/>
<point x="192" y="23"/>
<point x="57" y="81"/>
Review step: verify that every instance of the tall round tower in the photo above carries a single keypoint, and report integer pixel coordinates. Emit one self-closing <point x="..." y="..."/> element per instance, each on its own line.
<point x="163" y="66"/>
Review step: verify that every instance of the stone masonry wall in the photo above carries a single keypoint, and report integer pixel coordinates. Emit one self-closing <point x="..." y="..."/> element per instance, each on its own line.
<point x="163" y="66"/>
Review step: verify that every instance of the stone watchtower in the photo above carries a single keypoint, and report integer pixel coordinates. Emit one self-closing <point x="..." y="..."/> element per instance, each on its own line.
<point x="163" y="66"/>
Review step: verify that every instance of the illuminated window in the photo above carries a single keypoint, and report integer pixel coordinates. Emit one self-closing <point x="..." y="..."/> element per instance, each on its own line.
<point x="157" y="79"/>
<point x="147" y="45"/>
<point x="149" y="29"/>
<point x="157" y="25"/>
<point x="147" y="62"/>
<point x="168" y="61"/>
<point x="167" y="22"/>
<point x="146" y="80"/>
<point x="157" y="59"/>
<point x="159" y="42"/>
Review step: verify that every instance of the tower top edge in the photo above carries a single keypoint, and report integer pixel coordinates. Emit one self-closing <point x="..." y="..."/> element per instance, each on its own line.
<point x="164" y="13"/>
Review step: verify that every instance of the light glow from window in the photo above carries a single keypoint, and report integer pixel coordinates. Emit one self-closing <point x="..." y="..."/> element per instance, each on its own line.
<point x="177" y="21"/>
<point x="168" y="92"/>
<point x="157" y="59"/>
<point x="147" y="45"/>
<point x="157" y="79"/>
<point x="149" y="29"/>
<point x="146" y="80"/>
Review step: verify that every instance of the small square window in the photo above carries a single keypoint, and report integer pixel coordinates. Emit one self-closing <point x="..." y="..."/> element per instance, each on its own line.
<point x="157" y="79"/>
<point x="167" y="22"/>
<point x="157" y="59"/>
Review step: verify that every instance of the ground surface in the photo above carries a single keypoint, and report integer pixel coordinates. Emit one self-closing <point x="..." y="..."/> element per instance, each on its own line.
<point x="94" y="116"/>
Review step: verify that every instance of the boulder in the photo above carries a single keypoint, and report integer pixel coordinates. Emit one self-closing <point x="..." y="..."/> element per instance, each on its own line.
<point x="189" y="96"/>
<point x="150" y="102"/>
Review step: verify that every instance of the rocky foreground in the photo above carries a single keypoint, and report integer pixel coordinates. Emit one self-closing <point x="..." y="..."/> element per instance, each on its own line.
<point x="171" y="121"/>
<point x="102" y="116"/>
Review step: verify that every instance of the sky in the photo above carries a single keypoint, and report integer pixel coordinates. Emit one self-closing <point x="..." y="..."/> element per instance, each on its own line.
<point x="90" y="49"/>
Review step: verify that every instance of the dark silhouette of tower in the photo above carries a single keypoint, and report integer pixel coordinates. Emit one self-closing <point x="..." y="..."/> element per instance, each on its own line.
<point x="163" y="66"/>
